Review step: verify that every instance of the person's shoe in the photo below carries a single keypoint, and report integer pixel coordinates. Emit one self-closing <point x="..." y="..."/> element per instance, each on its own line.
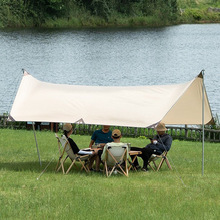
<point x="115" y="171"/>
<point x="145" y="169"/>
<point x="138" y="167"/>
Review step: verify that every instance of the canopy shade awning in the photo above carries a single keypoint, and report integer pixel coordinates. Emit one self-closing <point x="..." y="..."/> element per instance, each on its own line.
<point x="133" y="106"/>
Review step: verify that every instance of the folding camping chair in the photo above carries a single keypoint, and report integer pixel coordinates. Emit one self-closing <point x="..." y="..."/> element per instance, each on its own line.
<point x="114" y="157"/>
<point x="155" y="157"/>
<point x="64" y="147"/>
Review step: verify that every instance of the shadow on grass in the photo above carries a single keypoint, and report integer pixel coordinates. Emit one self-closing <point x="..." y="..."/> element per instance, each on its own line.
<point x="47" y="167"/>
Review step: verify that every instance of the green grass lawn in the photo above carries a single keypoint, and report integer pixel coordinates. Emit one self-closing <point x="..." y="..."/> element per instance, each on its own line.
<point x="179" y="194"/>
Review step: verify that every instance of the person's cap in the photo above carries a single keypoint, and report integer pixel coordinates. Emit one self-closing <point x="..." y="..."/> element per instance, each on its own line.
<point x="161" y="127"/>
<point x="67" y="127"/>
<point x="116" y="133"/>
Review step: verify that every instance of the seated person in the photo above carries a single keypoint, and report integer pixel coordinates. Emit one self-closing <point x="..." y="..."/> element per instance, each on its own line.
<point x="101" y="136"/>
<point x="160" y="143"/>
<point x="116" y="136"/>
<point x="68" y="130"/>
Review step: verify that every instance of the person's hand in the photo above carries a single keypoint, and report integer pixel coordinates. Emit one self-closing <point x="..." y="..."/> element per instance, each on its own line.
<point x="102" y="145"/>
<point x="95" y="151"/>
<point x="154" y="141"/>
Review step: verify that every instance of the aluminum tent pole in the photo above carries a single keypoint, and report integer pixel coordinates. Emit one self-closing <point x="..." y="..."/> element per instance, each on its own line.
<point x="203" y="112"/>
<point x="36" y="143"/>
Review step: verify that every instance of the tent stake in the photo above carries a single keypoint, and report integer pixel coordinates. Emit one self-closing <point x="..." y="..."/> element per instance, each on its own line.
<point x="203" y="132"/>
<point x="36" y="143"/>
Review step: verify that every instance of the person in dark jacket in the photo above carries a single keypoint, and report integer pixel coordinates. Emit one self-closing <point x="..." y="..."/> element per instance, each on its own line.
<point x="160" y="143"/>
<point x="68" y="130"/>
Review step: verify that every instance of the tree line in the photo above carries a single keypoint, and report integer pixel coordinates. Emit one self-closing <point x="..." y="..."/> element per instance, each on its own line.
<point x="36" y="12"/>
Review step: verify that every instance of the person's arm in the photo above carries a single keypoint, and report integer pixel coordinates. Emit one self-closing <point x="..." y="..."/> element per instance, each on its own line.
<point x="165" y="142"/>
<point x="91" y="143"/>
<point x="93" y="139"/>
<point x="82" y="152"/>
<point x="154" y="140"/>
<point x="168" y="142"/>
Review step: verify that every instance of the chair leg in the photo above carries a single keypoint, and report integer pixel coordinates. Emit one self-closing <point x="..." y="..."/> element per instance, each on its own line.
<point x="149" y="163"/>
<point x="58" y="167"/>
<point x="83" y="166"/>
<point x="168" y="163"/>
<point x="126" y="167"/>
<point x="124" y="172"/>
<point x="57" y="164"/>
<point x="132" y="164"/>
<point x="61" y="164"/>
<point x="106" y="169"/>
<point x="162" y="161"/>
<point x="160" y="164"/>
<point x="70" y="166"/>
<point x="113" y="168"/>
<point x="155" y="165"/>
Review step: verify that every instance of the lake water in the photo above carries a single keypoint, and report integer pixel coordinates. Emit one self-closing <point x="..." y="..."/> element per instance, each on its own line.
<point x="115" y="56"/>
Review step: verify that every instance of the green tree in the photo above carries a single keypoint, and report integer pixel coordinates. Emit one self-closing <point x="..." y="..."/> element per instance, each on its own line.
<point x="40" y="10"/>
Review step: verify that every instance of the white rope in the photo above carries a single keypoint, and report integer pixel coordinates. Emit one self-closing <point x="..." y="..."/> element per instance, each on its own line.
<point x="45" y="169"/>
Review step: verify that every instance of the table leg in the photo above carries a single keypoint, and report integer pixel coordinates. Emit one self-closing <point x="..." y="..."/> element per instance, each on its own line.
<point x="132" y="163"/>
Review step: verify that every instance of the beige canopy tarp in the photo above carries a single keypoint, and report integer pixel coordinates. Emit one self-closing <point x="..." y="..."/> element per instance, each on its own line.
<point x="133" y="106"/>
